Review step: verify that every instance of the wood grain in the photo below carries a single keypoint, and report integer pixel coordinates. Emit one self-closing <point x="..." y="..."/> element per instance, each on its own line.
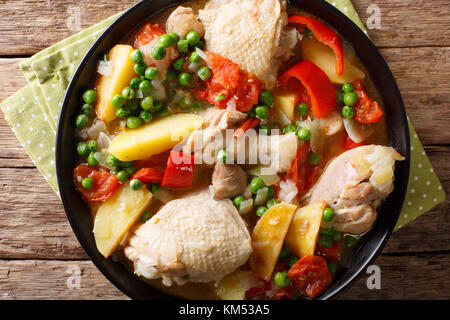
<point x="404" y="23"/>
<point x="399" y="280"/>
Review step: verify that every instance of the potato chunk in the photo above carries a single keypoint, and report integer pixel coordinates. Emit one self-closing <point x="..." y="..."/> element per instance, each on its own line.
<point x="323" y="57"/>
<point x="117" y="215"/>
<point x="302" y="234"/>
<point x="234" y="285"/>
<point x="268" y="237"/>
<point x="155" y="137"/>
<point x="284" y="106"/>
<point x="108" y="86"/>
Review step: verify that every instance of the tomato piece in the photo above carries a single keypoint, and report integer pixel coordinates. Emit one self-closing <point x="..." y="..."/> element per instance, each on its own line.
<point x="231" y="82"/>
<point x="319" y="87"/>
<point x="310" y="275"/>
<point x="350" y="144"/>
<point x="333" y="253"/>
<point x="149" y="175"/>
<point x="147" y="33"/>
<point x="366" y="109"/>
<point x="105" y="183"/>
<point x="180" y="171"/>
<point x="286" y="292"/>
<point x="257" y="291"/>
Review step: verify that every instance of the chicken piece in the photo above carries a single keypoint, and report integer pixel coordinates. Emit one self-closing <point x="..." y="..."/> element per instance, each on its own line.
<point x="196" y="239"/>
<point x="228" y="180"/>
<point x="251" y="34"/>
<point x="182" y="21"/>
<point x="354" y="185"/>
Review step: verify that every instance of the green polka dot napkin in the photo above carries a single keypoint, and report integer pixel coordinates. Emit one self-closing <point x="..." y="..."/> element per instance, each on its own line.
<point x="33" y="112"/>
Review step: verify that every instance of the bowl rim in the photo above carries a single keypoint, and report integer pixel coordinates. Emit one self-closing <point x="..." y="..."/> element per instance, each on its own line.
<point x="330" y="293"/>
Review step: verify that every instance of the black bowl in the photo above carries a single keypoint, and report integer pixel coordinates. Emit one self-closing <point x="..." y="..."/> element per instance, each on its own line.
<point x="78" y="212"/>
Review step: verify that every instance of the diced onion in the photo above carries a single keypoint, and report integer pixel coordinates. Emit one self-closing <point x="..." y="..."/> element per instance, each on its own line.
<point x="101" y="157"/>
<point x="261" y="196"/>
<point x="103" y="140"/>
<point x="139" y="94"/>
<point x="94" y="130"/>
<point x="246" y="206"/>
<point x="268" y="175"/>
<point x="204" y="56"/>
<point x="316" y="140"/>
<point x="158" y="92"/>
<point x="288" y="191"/>
<point x="164" y="195"/>
<point x="194" y="66"/>
<point x="356" y="131"/>
<point x="105" y="68"/>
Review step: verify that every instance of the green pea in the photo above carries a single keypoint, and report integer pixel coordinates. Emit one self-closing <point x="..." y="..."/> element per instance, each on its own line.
<point x="126" y="164"/>
<point x="349" y="240"/>
<point x="178" y="64"/>
<point x="117" y="101"/>
<point x="194" y="57"/>
<point x="157" y="105"/>
<point x="128" y="93"/>
<point x="183" y="46"/>
<point x="315" y="158"/>
<point x="303" y="109"/>
<point x="82" y="121"/>
<point x="260" y="211"/>
<point x="163" y="112"/>
<point x="204" y="73"/>
<point x="237" y="200"/>
<point x="290" y="260"/>
<point x="93" y="145"/>
<point x="133" y="105"/>
<point x="91" y="160"/>
<point x="272" y="202"/>
<point x="347" y="87"/>
<point x="122" y="176"/>
<point x="350" y="99"/>
<point x="348" y="112"/>
<point x="153" y="187"/>
<point x="87" y="183"/>
<point x="166" y="40"/>
<point x="83" y="149"/>
<point x="220" y="97"/>
<point x="184" y="79"/>
<point x="262" y="112"/>
<point x="145" y="216"/>
<point x="332" y="266"/>
<point x="328" y="214"/>
<point x="264" y="128"/>
<point x="133" y="122"/>
<point x="327" y="231"/>
<point x="140" y="68"/>
<point x="88" y="109"/>
<point x="158" y="52"/>
<point x="134" y="83"/>
<point x="251" y="113"/>
<point x="152" y="73"/>
<point x="256" y="184"/>
<point x="336" y="236"/>
<point x="270" y="192"/>
<point x="130" y="170"/>
<point x="89" y="96"/>
<point x="198" y="44"/>
<point x="146" y="116"/>
<point x="325" y="241"/>
<point x="112" y="161"/>
<point x="145" y="86"/>
<point x="266" y="98"/>
<point x="136" y="184"/>
<point x="339" y="97"/>
<point x="290" y="128"/>
<point x="284" y="253"/>
<point x="171" y="75"/>
<point x="193" y="37"/>
<point x="304" y="134"/>
<point x="197" y="106"/>
<point x="174" y="37"/>
<point x="222" y="156"/>
<point x="137" y="56"/>
<point x="147" y="103"/>
<point x="281" y="279"/>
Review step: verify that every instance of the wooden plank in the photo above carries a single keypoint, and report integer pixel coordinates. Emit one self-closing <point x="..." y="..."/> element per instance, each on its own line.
<point x="407" y="23"/>
<point x="34" y="225"/>
<point x="25" y="31"/>
<point x="423" y="75"/>
<point x="402" y="277"/>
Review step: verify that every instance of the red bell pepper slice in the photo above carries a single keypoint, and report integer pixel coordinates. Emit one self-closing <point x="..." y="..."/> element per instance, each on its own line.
<point x="180" y="170"/>
<point x="325" y="35"/>
<point x="319" y="87"/>
<point x="149" y="175"/>
<point x="248" y="124"/>
<point x="104" y="186"/>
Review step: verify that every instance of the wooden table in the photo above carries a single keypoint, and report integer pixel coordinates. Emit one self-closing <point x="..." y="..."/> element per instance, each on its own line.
<point x="39" y="252"/>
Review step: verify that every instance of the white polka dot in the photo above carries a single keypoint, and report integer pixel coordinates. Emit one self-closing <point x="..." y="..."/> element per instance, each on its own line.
<point x="75" y="53"/>
<point x="419" y="165"/>
<point x="53" y="85"/>
<point x="39" y="159"/>
<point x="20" y="111"/>
<point x="23" y="99"/>
<point x="18" y="125"/>
<point x="60" y="61"/>
<point x="35" y="102"/>
<point x="435" y="200"/>
<point x="400" y="226"/>
<point x="415" y="135"/>
<point x="53" y="148"/>
<point x="424" y="195"/>
<point x="28" y="142"/>
<point x="41" y="145"/>
<point x="405" y="215"/>
<point x="423" y="153"/>
<point x="33" y="115"/>
<point x="409" y="203"/>
<point x="49" y="175"/>
<point x="416" y="178"/>
<point x="44" y="132"/>
<point x="334" y="3"/>
<point x="30" y="128"/>
<point x="8" y="108"/>
<point x="412" y="148"/>
<point x="412" y="190"/>
<point x="439" y="187"/>
<point x="345" y="9"/>
<point x="49" y="98"/>
<point x="420" y="208"/>
<point x="431" y="170"/>
<point x="52" y="162"/>
<point x="44" y="68"/>
<point x="427" y="183"/>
